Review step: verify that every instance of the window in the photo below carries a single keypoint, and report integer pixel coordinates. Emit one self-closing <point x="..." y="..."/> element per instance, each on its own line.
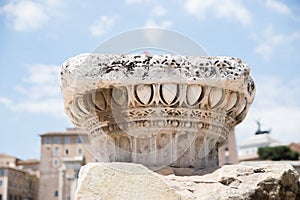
<point x="79" y="151"/>
<point x="48" y="140"/>
<point x="67" y="151"/>
<point x="56" y="193"/>
<point x="1" y="172"/>
<point x="56" y="151"/>
<point x="55" y="162"/>
<point x="56" y="140"/>
<point x="67" y="140"/>
<point x="0" y="196"/>
<point x="79" y="140"/>
<point x="1" y="183"/>
<point x="227" y="160"/>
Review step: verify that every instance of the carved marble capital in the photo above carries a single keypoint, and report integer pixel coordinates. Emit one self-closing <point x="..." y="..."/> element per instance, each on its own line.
<point x="157" y="110"/>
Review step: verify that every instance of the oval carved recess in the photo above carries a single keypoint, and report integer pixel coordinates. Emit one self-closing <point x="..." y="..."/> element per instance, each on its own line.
<point x="90" y="99"/>
<point x="242" y="104"/>
<point x="75" y="112"/>
<point x="99" y="100"/>
<point x="232" y="100"/>
<point x="215" y="97"/>
<point x="193" y="94"/>
<point x="82" y="105"/>
<point x="169" y="93"/>
<point x="120" y="96"/>
<point x="144" y="94"/>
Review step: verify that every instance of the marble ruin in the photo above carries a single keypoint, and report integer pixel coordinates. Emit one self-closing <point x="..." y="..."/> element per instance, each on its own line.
<point x="157" y="110"/>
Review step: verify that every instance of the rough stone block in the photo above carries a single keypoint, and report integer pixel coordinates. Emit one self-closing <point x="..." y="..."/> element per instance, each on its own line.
<point x="135" y="181"/>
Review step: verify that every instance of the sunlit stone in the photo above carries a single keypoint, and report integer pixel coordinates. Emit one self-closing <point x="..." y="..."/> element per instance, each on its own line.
<point x="142" y="109"/>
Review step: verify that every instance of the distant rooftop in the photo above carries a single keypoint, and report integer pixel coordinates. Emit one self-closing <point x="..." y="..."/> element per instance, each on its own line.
<point x="28" y="162"/>
<point x="258" y="140"/>
<point x="69" y="131"/>
<point x="3" y="155"/>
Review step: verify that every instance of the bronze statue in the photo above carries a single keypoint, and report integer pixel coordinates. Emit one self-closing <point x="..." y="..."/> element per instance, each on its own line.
<point x="259" y="132"/>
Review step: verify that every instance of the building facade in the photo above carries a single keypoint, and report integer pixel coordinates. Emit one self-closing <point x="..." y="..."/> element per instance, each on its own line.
<point x="295" y="147"/>
<point x="228" y="152"/>
<point x="62" y="155"/>
<point x="249" y="147"/>
<point x="18" y="181"/>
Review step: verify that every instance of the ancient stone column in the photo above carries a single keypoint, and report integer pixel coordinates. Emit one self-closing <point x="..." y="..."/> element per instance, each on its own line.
<point x="157" y="110"/>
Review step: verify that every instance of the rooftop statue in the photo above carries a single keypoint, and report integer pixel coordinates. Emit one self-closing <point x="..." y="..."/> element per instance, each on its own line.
<point x="259" y="132"/>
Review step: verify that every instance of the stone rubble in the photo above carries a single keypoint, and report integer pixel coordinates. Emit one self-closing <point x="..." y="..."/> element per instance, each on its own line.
<point x="134" y="181"/>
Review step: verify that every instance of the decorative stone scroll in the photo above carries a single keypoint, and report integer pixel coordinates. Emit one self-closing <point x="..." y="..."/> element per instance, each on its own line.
<point x="157" y="110"/>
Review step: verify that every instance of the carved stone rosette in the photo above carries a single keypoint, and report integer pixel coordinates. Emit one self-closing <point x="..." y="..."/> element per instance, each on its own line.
<point x="157" y="110"/>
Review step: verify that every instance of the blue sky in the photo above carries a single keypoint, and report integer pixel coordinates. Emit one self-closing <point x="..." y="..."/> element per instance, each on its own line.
<point x="36" y="37"/>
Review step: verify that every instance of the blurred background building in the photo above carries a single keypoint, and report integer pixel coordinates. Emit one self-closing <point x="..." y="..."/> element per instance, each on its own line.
<point x="62" y="155"/>
<point x="19" y="179"/>
<point x="228" y="152"/>
<point x="249" y="147"/>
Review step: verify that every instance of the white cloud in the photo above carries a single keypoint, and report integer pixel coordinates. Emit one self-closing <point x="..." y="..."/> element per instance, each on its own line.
<point x="231" y="9"/>
<point x="136" y="1"/>
<point x="277" y="105"/>
<point x="159" y="11"/>
<point x="25" y="15"/>
<point x="43" y="81"/>
<point x="156" y="21"/>
<point x="151" y="23"/>
<point x="278" y="7"/>
<point x="154" y="37"/>
<point x="5" y="101"/>
<point x="54" y="3"/>
<point x="48" y="106"/>
<point x="38" y="93"/>
<point x="270" y="42"/>
<point x="42" y="74"/>
<point x="103" y="25"/>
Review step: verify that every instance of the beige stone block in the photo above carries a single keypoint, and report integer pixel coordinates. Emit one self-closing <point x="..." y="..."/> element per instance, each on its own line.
<point x="134" y="181"/>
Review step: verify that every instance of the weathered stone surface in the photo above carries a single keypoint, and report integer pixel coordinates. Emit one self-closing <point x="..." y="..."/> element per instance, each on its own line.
<point x="134" y="181"/>
<point x="157" y="110"/>
<point x="122" y="181"/>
